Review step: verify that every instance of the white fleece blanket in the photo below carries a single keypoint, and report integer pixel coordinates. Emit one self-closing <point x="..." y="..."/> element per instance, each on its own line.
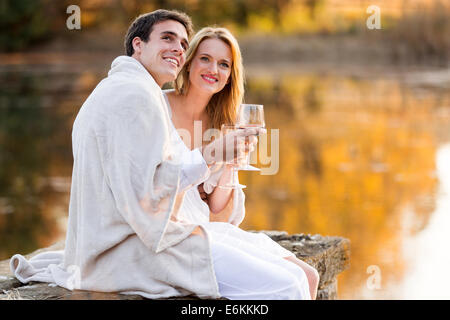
<point x="45" y="267"/>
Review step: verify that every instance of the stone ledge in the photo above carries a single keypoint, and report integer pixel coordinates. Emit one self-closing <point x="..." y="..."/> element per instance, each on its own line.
<point x="329" y="255"/>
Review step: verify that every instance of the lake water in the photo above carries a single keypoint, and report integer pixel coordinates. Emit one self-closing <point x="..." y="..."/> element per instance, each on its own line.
<point x="362" y="156"/>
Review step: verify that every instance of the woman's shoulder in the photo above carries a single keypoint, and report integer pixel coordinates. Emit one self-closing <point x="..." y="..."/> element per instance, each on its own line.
<point x="168" y="92"/>
<point x="169" y="95"/>
<point x="172" y="98"/>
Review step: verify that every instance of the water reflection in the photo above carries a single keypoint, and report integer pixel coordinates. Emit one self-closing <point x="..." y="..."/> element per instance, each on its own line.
<point x="349" y="166"/>
<point x="426" y="252"/>
<point x="29" y="147"/>
<point x="355" y="155"/>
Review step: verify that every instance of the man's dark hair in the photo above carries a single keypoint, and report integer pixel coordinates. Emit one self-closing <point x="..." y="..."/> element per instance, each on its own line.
<point x="142" y="26"/>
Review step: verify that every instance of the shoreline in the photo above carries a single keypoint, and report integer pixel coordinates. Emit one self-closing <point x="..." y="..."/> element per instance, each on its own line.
<point x="359" y="56"/>
<point x="365" y="50"/>
<point x="418" y="76"/>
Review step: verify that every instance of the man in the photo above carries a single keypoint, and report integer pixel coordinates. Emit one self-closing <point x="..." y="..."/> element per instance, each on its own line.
<point x="127" y="184"/>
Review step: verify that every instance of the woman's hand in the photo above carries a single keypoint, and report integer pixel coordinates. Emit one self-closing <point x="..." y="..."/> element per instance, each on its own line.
<point x="203" y="194"/>
<point x="233" y="145"/>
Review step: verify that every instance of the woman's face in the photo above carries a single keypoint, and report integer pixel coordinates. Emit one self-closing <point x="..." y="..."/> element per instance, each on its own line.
<point x="211" y="66"/>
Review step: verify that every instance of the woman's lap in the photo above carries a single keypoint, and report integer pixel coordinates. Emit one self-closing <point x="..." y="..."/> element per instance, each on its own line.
<point x="230" y="234"/>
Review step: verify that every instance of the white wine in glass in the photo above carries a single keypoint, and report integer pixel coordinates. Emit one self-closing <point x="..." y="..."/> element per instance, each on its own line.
<point x="250" y="116"/>
<point x="234" y="183"/>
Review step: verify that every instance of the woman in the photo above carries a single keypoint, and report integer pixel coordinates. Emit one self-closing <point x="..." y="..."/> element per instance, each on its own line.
<point x="207" y="91"/>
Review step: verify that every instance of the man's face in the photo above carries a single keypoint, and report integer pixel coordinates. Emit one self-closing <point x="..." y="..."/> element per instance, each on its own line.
<point x="164" y="54"/>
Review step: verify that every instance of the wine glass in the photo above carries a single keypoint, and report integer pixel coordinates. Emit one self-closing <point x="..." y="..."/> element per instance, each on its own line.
<point x="250" y="116"/>
<point x="234" y="183"/>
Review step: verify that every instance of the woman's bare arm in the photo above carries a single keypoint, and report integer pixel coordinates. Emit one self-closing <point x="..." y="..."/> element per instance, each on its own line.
<point x="219" y="198"/>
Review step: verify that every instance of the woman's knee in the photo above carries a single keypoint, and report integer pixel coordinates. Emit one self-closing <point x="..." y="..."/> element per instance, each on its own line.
<point x="297" y="270"/>
<point x="313" y="275"/>
<point x="310" y="272"/>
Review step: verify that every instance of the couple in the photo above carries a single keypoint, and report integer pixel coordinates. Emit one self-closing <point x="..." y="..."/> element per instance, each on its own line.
<point x="146" y="216"/>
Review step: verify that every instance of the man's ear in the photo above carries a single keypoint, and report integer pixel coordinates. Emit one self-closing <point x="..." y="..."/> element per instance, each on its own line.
<point x="136" y="42"/>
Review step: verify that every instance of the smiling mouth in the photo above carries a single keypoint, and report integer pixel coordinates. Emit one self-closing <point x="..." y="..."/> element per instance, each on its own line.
<point x="172" y="61"/>
<point x="209" y="79"/>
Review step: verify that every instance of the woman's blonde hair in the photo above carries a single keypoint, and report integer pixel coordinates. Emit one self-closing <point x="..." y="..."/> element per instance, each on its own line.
<point x="222" y="106"/>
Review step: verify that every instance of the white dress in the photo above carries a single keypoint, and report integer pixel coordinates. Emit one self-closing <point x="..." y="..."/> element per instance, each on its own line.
<point x="258" y="256"/>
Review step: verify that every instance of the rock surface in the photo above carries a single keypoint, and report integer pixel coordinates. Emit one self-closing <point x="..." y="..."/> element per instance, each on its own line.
<point x="329" y="255"/>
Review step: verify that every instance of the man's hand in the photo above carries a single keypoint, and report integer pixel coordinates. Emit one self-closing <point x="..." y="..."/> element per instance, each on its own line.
<point x="234" y="145"/>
